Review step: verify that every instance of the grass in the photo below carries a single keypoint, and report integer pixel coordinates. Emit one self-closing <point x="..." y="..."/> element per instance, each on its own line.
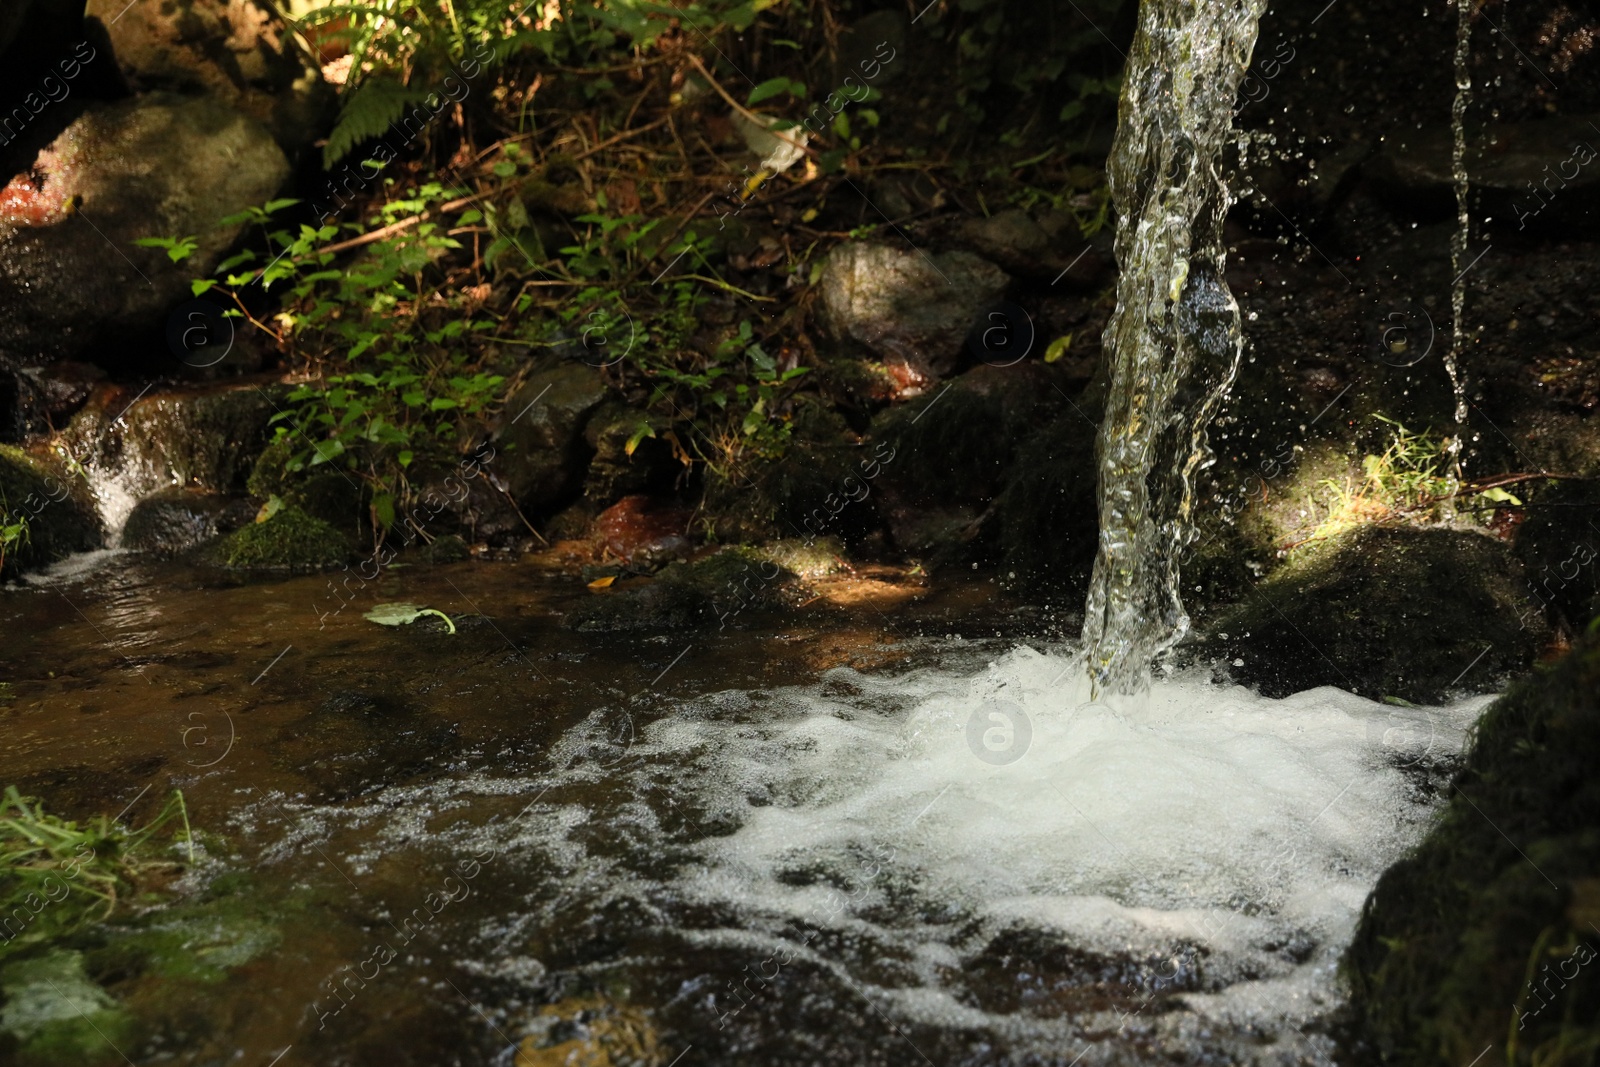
<point x="57" y="877"/>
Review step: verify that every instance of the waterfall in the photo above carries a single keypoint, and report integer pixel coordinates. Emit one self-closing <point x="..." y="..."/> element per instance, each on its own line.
<point x="1174" y="341"/>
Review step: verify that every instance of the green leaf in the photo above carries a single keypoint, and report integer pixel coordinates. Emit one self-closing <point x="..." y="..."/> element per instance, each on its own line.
<point x="368" y="111"/>
<point x="400" y="614"/>
<point x="767" y="90"/>
<point x="201" y="285"/>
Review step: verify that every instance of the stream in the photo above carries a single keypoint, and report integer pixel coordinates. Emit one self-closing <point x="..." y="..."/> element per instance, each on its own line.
<point x="859" y="838"/>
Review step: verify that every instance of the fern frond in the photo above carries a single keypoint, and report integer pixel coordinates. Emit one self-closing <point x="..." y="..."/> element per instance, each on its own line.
<point x="368" y="110"/>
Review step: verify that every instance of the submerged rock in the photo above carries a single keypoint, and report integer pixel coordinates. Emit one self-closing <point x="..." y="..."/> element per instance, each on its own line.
<point x="1384" y="611"/>
<point x="53" y="1013"/>
<point x="290" y="540"/>
<point x="716" y="590"/>
<point x="911" y="309"/>
<point x="1485" y="937"/>
<point x="644" y="532"/>
<point x="155" y="166"/>
<point x="356" y="741"/>
<point x="175" y="520"/>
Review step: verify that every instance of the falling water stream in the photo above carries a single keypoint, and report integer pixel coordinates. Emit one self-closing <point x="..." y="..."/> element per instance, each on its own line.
<point x="1173" y="343"/>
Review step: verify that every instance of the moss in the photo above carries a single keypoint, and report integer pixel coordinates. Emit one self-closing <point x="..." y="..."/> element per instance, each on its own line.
<point x="290" y="540"/>
<point x="53" y="1013"/>
<point x="1491" y="922"/>
<point x="329" y="495"/>
<point x="1383" y="611"/>
<point x="773" y="497"/>
<point x="61" y="516"/>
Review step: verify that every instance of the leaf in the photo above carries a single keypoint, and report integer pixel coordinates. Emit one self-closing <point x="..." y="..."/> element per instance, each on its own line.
<point x="767" y="90"/>
<point x="273" y="505"/>
<point x="400" y="613"/>
<point x="1058" y="348"/>
<point x="644" y="430"/>
<point x="200" y="285"/>
<point x="367" y="112"/>
<point x="602" y="583"/>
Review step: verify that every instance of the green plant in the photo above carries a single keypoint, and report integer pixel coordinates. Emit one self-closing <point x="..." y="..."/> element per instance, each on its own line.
<point x="56" y="877"/>
<point x="14" y="532"/>
<point x="1409" y="480"/>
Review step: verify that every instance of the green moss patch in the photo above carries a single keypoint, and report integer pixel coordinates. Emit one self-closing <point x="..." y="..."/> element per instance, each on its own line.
<point x="289" y="540"/>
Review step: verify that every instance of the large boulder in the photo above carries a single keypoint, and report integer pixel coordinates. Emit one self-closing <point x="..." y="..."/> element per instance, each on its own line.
<point x="233" y="50"/>
<point x="1481" y="946"/>
<point x="1385" y="611"/>
<point x="155" y="166"/>
<point x="912" y="310"/>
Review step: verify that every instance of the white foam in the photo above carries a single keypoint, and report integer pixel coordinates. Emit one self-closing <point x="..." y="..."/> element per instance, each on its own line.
<point x="1201" y="820"/>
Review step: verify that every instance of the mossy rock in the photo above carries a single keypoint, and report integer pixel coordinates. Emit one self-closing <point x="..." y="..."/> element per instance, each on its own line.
<point x="773" y="498"/>
<point x="61" y="515"/>
<point x="1383" y="611"/>
<point x="290" y="540"/>
<point x="330" y="495"/>
<point x="1481" y="945"/>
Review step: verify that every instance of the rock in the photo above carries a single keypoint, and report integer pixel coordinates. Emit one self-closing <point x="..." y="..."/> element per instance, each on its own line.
<point x="59" y="511"/>
<point x="1486" y="934"/>
<point x="54" y="1013"/>
<point x="52" y="393"/>
<point x="175" y="520"/>
<point x="814" y="488"/>
<point x="230" y="49"/>
<point x="614" y="473"/>
<point x="717" y="589"/>
<point x="951" y="452"/>
<point x="1381" y="611"/>
<point x="644" y="532"/>
<point x="156" y="166"/>
<point x="290" y="540"/>
<point x="1018" y="244"/>
<point x="1559" y="545"/>
<point x="541" y="448"/>
<point x="201" y="437"/>
<point x="1526" y="175"/>
<point x="912" y="310"/>
<point x="356" y="741"/>
<point x="1047" y="512"/>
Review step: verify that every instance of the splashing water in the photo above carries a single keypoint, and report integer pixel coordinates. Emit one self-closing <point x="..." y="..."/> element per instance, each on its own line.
<point x="1174" y="341"/>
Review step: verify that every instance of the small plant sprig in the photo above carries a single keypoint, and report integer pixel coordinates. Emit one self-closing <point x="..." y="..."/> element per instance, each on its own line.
<point x="56" y="877"/>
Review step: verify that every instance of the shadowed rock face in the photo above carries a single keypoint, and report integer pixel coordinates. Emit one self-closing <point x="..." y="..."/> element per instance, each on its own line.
<point x="1384" y="611"/>
<point x="156" y="166"/>
<point x="1486" y="935"/>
